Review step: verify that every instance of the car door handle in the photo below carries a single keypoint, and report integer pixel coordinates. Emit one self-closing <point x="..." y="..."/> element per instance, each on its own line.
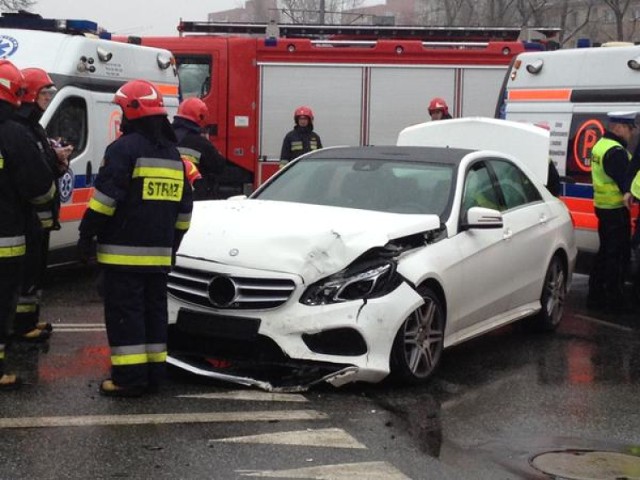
<point x="507" y="234"/>
<point x="543" y="219"/>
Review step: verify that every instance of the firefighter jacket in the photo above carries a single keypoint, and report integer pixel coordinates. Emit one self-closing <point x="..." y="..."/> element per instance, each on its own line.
<point x="298" y="141"/>
<point x="609" y="163"/>
<point x="29" y="116"/>
<point x="201" y="152"/>
<point x="25" y="184"/>
<point x="141" y="206"/>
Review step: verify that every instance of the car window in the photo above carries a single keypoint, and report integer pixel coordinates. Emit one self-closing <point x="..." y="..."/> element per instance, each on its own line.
<point x="194" y="72"/>
<point x="385" y="186"/>
<point x="517" y="189"/>
<point x="479" y="190"/>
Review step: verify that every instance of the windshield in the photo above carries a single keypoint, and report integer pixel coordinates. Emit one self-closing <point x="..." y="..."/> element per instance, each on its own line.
<point x="380" y="185"/>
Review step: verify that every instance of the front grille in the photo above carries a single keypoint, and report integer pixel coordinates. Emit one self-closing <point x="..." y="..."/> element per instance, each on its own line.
<point x="192" y="286"/>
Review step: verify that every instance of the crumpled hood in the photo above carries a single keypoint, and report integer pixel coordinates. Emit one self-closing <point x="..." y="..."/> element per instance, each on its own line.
<point x="308" y="240"/>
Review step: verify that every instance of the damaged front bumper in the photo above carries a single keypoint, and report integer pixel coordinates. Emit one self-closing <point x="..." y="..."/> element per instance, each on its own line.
<point x="283" y="378"/>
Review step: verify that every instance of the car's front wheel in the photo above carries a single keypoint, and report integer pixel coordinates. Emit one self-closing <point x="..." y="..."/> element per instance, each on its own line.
<point x="418" y="345"/>
<point x="554" y="291"/>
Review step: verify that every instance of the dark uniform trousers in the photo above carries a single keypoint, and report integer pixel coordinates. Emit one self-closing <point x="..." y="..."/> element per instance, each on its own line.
<point x="28" y="307"/>
<point x="135" y="308"/>
<point x="606" y="282"/>
<point x="10" y="278"/>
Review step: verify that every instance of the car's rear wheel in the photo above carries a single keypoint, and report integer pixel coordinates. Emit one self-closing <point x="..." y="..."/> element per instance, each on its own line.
<point x="554" y="292"/>
<point x="418" y="345"/>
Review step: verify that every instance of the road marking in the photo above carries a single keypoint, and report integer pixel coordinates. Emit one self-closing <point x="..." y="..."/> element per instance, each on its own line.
<point x="325" y="437"/>
<point x="615" y="326"/>
<point x="160" y="419"/>
<point x="249" y="395"/>
<point x="78" y="327"/>
<point x="345" y="471"/>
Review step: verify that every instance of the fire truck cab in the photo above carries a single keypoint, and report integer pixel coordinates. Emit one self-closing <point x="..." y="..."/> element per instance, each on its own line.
<point x="364" y="84"/>
<point x="87" y="71"/>
<point x="570" y="92"/>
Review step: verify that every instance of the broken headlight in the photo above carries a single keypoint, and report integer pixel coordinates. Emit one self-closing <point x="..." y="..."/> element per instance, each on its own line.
<point x="370" y="280"/>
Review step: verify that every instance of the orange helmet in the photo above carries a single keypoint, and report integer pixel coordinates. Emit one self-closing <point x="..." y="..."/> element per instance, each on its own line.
<point x="195" y="110"/>
<point x="438" y="103"/>
<point x="302" y="112"/>
<point x="35" y="80"/>
<point x="11" y="83"/>
<point x="192" y="171"/>
<point x="138" y="99"/>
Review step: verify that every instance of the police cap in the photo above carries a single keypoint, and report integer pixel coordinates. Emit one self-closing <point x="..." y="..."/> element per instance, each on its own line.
<point x="626" y="118"/>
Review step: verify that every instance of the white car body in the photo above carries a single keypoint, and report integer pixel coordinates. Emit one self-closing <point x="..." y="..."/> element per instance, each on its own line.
<point x="486" y="277"/>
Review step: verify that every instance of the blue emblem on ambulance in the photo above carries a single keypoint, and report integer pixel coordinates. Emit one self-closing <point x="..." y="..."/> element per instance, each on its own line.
<point x="65" y="186"/>
<point x="8" y="46"/>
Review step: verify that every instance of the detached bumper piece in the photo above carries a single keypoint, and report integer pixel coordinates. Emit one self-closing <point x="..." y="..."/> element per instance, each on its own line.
<point x="284" y="378"/>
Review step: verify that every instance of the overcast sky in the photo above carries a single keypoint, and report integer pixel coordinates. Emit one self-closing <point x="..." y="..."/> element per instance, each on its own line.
<point x="134" y="17"/>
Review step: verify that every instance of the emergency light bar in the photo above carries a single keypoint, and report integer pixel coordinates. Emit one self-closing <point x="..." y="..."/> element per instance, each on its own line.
<point x="31" y="21"/>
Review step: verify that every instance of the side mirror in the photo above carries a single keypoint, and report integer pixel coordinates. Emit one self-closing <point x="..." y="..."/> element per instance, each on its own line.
<point x="480" y="217"/>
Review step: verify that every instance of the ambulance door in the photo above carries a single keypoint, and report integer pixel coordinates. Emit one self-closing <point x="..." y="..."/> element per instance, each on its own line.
<point x="88" y="121"/>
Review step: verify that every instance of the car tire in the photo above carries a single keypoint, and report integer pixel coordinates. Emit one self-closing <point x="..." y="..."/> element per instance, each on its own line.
<point x="552" y="298"/>
<point x="418" y="345"/>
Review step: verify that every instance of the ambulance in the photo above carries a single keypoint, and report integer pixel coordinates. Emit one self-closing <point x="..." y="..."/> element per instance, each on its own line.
<point x="87" y="71"/>
<point x="570" y="92"/>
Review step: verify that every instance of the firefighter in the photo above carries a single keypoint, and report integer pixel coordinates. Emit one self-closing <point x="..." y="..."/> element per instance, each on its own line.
<point x="25" y="184"/>
<point x="39" y="90"/>
<point x="438" y="109"/>
<point x="609" y="163"/>
<point x="302" y="138"/>
<point x="631" y="196"/>
<point x="140" y="210"/>
<point x="190" y="125"/>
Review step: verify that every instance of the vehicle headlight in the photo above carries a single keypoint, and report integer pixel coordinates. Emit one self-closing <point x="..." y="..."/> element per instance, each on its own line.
<point x="358" y="282"/>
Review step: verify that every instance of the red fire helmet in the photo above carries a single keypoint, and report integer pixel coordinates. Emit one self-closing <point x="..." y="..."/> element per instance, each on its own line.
<point x="138" y="99"/>
<point x="11" y="83"/>
<point x="195" y="110"/>
<point x="35" y="80"/>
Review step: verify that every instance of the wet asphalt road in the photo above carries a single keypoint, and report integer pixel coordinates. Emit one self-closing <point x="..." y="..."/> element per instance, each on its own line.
<point x="495" y="403"/>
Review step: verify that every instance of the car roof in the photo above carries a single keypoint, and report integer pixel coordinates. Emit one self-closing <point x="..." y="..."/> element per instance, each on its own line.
<point x="451" y="156"/>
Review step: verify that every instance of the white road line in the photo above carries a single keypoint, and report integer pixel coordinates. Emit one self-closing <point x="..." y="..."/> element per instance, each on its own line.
<point x="76" y="330"/>
<point x="345" y="471"/>
<point x="77" y="325"/>
<point x="324" y="437"/>
<point x="615" y="326"/>
<point x="249" y="395"/>
<point x="160" y="419"/>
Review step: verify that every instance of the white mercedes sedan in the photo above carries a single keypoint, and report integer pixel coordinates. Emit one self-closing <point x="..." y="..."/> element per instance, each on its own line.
<point x="356" y="263"/>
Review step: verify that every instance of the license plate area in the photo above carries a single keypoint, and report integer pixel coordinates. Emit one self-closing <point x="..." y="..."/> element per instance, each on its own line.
<point x="219" y="326"/>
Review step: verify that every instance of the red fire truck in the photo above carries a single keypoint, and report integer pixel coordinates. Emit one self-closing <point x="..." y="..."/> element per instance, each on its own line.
<point x="364" y="84"/>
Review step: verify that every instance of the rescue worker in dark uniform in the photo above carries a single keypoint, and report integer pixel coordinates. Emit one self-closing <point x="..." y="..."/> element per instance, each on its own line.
<point x="609" y="163"/>
<point x="189" y="125"/>
<point x="302" y="138"/>
<point x="140" y="210"/>
<point x="438" y="109"/>
<point x="39" y="90"/>
<point x="25" y="183"/>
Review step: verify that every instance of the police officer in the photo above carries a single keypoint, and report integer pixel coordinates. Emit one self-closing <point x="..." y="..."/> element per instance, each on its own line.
<point x="25" y="183"/>
<point x="609" y="164"/>
<point x="189" y="125"/>
<point x="438" y="109"/>
<point x="632" y="196"/>
<point x="140" y="210"/>
<point x="39" y="90"/>
<point x="302" y="138"/>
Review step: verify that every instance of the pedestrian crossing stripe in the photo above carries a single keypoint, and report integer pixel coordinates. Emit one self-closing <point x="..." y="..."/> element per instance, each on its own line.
<point x="345" y="471"/>
<point x="325" y="437"/>
<point x="159" y="419"/>
<point x="248" y="395"/>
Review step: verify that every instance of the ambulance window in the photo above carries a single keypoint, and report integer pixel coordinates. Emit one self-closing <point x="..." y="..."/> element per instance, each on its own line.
<point x="69" y="124"/>
<point x="195" y="75"/>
